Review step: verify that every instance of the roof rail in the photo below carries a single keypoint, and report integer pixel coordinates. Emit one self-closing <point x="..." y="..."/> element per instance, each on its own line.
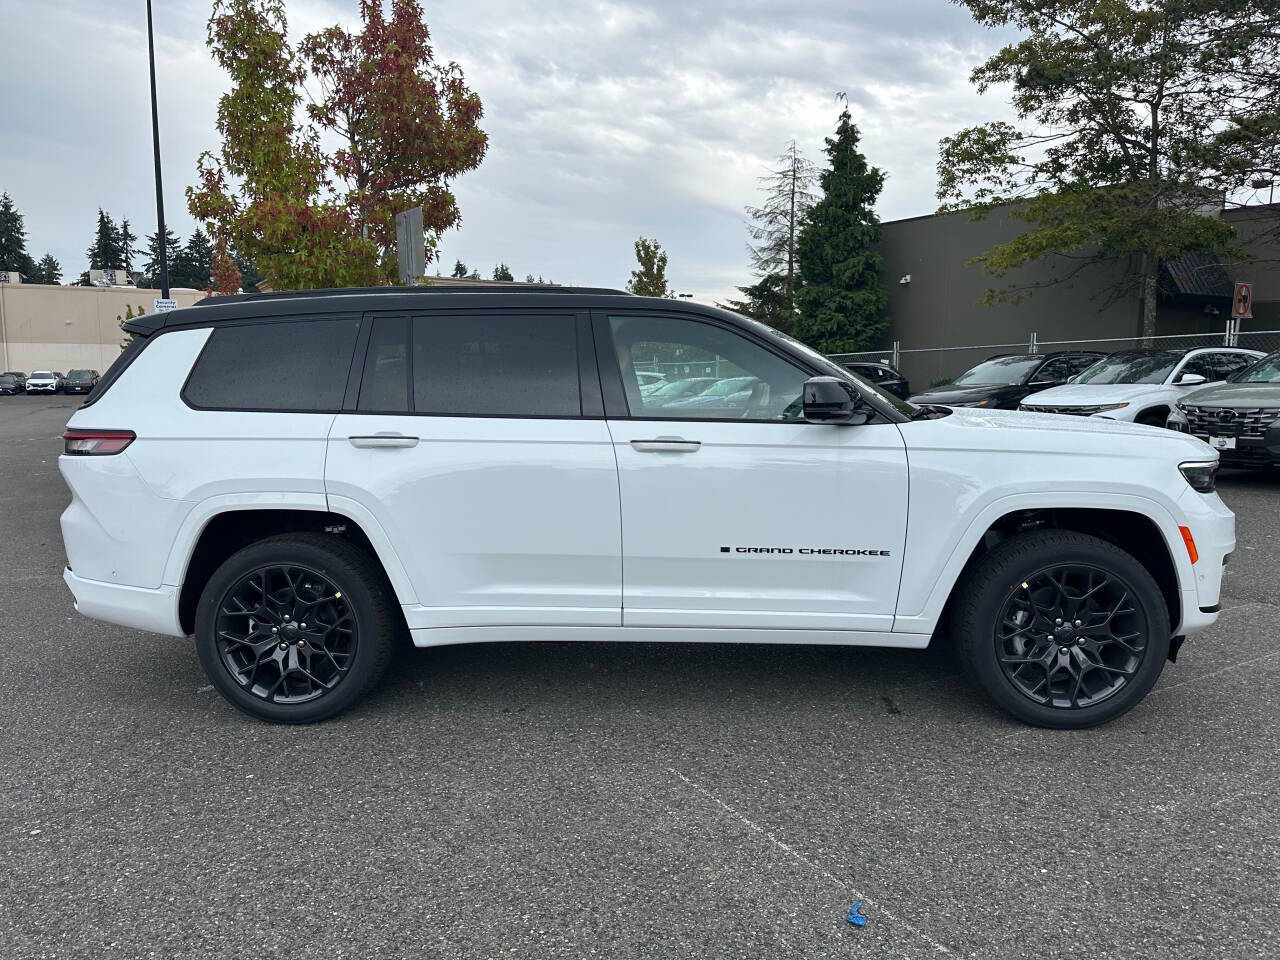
<point x="435" y="287"/>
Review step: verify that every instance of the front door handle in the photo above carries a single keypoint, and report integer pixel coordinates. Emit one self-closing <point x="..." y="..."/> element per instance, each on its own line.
<point x="666" y="445"/>
<point x="384" y="439"/>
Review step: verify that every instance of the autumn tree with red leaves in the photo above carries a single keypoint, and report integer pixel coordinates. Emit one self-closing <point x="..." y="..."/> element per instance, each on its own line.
<point x="407" y="124"/>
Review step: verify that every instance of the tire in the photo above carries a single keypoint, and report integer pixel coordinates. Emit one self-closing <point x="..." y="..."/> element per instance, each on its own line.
<point x="318" y="672"/>
<point x="1004" y="613"/>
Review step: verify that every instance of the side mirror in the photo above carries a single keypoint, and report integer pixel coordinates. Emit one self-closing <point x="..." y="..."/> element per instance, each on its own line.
<point x="831" y="400"/>
<point x="1191" y="380"/>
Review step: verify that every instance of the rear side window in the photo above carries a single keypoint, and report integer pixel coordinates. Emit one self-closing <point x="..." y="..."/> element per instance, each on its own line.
<point x="495" y="365"/>
<point x="384" y="388"/>
<point x="293" y="365"/>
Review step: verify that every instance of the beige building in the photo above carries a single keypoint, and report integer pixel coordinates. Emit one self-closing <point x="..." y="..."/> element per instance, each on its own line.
<point x="49" y="327"/>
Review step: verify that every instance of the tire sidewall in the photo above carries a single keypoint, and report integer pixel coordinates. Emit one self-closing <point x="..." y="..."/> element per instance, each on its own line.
<point x="1015" y="566"/>
<point x="355" y="589"/>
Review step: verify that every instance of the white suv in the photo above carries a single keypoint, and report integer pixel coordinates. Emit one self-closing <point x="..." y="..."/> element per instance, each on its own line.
<point x="299" y="479"/>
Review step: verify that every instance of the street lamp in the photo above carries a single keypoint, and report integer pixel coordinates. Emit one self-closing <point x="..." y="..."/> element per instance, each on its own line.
<point x="155" y="143"/>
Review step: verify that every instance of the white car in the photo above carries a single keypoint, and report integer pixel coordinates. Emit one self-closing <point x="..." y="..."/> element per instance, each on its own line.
<point x="43" y="381"/>
<point x="300" y="479"/>
<point x="1141" y="386"/>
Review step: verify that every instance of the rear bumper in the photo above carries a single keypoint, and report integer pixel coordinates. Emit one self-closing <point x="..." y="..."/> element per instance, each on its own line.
<point x="153" y="610"/>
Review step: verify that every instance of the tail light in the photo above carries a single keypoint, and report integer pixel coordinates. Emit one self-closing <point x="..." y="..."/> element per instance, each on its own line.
<point x="96" y="443"/>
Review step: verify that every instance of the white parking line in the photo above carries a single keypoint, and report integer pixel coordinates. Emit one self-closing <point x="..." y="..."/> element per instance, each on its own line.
<point x="795" y="854"/>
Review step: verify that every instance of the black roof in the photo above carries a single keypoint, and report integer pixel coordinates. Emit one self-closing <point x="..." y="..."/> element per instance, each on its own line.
<point x="243" y="306"/>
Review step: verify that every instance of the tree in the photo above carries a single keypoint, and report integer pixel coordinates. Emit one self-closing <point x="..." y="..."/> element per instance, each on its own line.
<point x="459" y="269"/>
<point x="502" y="272"/>
<point x="650" y="280"/>
<point x="105" y="252"/>
<point x="776" y="225"/>
<point x="408" y="123"/>
<point x="48" y="270"/>
<point x="127" y="239"/>
<point x="13" y="239"/>
<point x="192" y="265"/>
<point x="767" y="300"/>
<point x="1135" y="122"/>
<point x="841" y="300"/>
<point x="151" y="268"/>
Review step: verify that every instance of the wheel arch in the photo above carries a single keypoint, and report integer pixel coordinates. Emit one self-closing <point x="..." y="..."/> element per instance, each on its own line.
<point x="1163" y="409"/>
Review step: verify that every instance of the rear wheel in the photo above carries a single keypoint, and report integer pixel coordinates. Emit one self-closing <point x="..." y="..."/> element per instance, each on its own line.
<point x="1062" y="629"/>
<point x="295" y="628"/>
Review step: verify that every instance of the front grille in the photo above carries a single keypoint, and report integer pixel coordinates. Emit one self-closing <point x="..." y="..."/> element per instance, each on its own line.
<point x="1069" y="411"/>
<point x="1246" y="422"/>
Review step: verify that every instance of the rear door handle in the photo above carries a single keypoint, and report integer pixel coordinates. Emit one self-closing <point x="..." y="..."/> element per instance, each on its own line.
<point x="385" y="439"/>
<point x="666" y="445"/>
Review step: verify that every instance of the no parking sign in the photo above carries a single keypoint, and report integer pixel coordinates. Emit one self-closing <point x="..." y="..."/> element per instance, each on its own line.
<point x="1242" y="304"/>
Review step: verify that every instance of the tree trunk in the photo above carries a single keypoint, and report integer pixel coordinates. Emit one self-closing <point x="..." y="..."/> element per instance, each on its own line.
<point x="1150" y="275"/>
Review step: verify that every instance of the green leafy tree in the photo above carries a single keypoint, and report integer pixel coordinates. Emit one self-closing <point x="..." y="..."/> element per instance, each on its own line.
<point x="192" y="265"/>
<point x="841" y="299"/>
<point x="48" y="270"/>
<point x="13" y="239"/>
<point x="650" y="279"/>
<point x="459" y="269"/>
<point x="502" y="272"/>
<point x="768" y="301"/>
<point x="775" y="226"/>
<point x="1135" y="121"/>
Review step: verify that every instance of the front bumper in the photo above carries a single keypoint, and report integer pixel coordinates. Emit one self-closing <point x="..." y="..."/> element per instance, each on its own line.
<point x="51" y="388"/>
<point x="143" y="609"/>
<point x="1213" y="527"/>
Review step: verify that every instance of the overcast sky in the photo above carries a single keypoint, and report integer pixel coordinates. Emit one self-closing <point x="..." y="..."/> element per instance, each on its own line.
<point x="606" y="120"/>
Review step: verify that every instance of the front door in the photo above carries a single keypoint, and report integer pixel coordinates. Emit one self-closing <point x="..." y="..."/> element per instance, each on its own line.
<point x="470" y="445"/>
<point x="735" y="512"/>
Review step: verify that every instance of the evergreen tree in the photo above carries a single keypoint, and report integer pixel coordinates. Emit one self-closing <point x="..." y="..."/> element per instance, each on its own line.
<point x="767" y="300"/>
<point x="459" y="269"/>
<point x="151" y="268"/>
<point x="776" y="225"/>
<point x="105" y="252"/>
<point x="650" y="280"/>
<point x="250" y="276"/>
<point x="127" y="250"/>
<point x="48" y="270"/>
<point x="841" y="300"/>
<point x="528" y="278"/>
<point x="13" y="239"/>
<point x="502" y="272"/>
<point x="192" y="266"/>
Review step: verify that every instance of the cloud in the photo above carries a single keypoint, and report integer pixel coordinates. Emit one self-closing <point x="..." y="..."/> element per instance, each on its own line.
<point x="607" y="120"/>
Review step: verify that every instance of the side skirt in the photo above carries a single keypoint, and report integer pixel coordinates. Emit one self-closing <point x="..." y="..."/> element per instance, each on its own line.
<point x="441" y="636"/>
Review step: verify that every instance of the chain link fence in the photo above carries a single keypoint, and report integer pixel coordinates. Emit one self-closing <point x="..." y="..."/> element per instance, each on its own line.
<point x="930" y="366"/>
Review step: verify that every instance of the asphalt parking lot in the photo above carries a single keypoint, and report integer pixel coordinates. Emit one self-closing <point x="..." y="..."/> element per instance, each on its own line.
<point x="621" y="800"/>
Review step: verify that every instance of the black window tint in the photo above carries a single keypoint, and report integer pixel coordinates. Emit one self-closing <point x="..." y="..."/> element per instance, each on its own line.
<point x="1201" y="363"/>
<point x="298" y="365"/>
<point x="1083" y="363"/>
<point x="384" y="388"/>
<point x="495" y="365"/>
<point x="1056" y="370"/>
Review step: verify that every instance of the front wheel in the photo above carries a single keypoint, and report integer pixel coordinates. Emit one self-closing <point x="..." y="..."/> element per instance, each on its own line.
<point x="295" y="628"/>
<point x="1062" y="629"/>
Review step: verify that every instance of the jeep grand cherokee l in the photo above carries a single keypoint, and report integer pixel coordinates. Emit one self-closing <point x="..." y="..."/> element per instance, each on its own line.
<point x="299" y="479"/>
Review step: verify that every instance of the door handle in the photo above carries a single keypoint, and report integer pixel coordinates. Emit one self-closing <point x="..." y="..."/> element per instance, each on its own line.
<point x="384" y="439"/>
<point x="666" y="445"/>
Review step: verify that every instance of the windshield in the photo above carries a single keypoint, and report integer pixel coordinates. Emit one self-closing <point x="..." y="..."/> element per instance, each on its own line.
<point x="79" y="375"/>
<point x="1001" y="371"/>
<point x="1266" y="370"/>
<point x="42" y="375"/>
<point x="1150" y="366"/>
<point x="8" y="378"/>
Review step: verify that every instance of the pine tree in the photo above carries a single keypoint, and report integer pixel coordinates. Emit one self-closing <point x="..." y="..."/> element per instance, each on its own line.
<point x="502" y="272"/>
<point x="841" y="300"/>
<point x="766" y="300"/>
<point x="13" y="239"/>
<point x="776" y="225"/>
<point x="651" y="279"/>
<point x="105" y="253"/>
<point x="459" y="269"/>
<point x="127" y="250"/>
<point x="48" y="270"/>
<point x="151" y="269"/>
<point x="192" y="266"/>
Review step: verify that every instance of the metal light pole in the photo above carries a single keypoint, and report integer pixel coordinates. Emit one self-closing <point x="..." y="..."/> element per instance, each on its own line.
<point x="155" y="143"/>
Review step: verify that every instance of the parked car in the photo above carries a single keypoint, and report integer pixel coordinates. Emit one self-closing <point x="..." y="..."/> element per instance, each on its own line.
<point x="1141" y="386"/>
<point x="882" y="375"/>
<point x="649" y="380"/>
<point x="1240" y="418"/>
<point x="44" y="381"/>
<point x="19" y="376"/>
<point x="1002" y="381"/>
<point x="731" y="393"/>
<point x="306" y="477"/>
<point x="80" y="381"/>
<point x="9" y="384"/>
<point x="674" y="390"/>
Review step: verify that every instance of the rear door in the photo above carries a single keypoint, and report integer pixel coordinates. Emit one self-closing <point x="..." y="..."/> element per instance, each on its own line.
<point x="477" y="443"/>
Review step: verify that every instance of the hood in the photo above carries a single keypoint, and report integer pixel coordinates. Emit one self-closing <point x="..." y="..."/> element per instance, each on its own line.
<point x="949" y="393"/>
<point x="1236" y="395"/>
<point x="1092" y="394"/>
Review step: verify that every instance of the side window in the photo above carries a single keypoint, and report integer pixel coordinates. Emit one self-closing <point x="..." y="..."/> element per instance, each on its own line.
<point x="710" y="372"/>
<point x="1225" y="364"/>
<point x="1082" y="363"/>
<point x="1056" y="370"/>
<point x="1201" y="363"/>
<point x="384" y="388"/>
<point x="289" y="365"/>
<point x="496" y="365"/>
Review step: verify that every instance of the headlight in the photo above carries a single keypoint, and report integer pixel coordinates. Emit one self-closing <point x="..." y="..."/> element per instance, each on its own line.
<point x="1112" y="406"/>
<point x="1202" y="476"/>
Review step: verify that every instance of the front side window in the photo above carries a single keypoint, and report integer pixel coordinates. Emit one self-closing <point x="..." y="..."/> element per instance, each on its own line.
<point x="496" y="365"/>
<point x="710" y="373"/>
<point x="1056" y="370"/>
<point x="298" y="366"/>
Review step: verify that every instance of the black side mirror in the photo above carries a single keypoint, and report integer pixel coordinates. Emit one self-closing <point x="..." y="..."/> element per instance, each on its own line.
<point x="831" y="400"/>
